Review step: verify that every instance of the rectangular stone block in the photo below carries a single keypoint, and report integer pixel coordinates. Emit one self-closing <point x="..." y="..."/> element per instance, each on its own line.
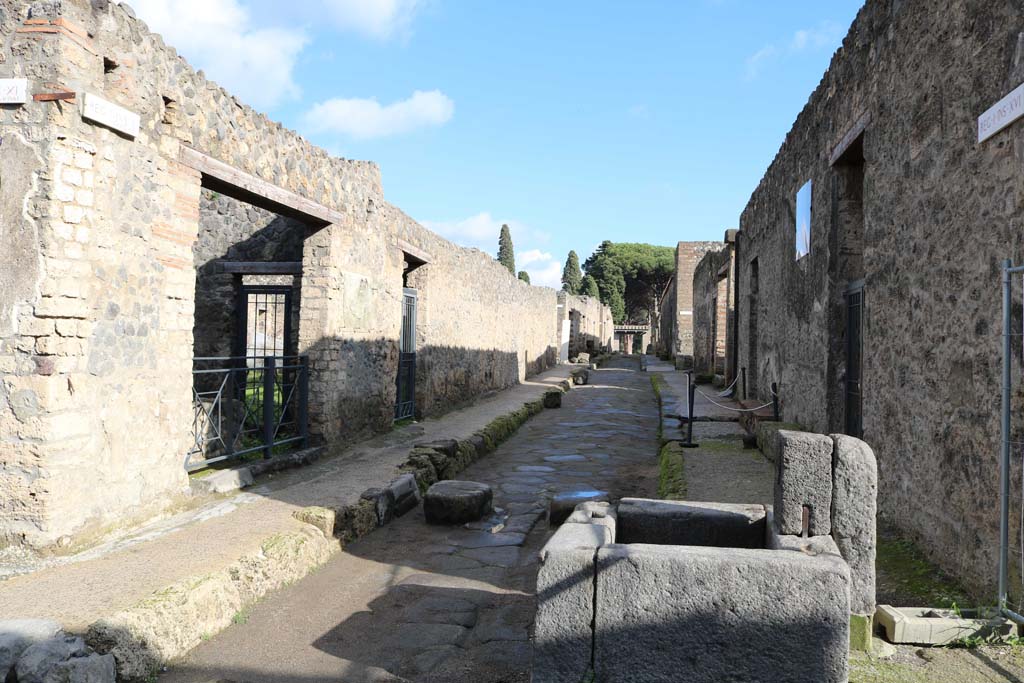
<point x="803" y="480"/>
<point x="706" y="615"/>
<point x="672" y="522"/>
<point x="565" y="603"/>
<point x="854" y="507"/>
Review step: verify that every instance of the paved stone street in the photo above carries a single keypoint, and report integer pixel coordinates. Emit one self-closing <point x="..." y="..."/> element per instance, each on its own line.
<point x="422" y="603"/>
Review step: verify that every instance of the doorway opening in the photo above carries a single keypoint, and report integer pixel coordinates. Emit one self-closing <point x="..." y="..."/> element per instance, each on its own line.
<point x="846" y="273"/>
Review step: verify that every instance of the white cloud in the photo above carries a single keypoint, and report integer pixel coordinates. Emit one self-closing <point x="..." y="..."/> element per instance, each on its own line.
<point x="380" y="19"/>
<point x="827" y="34"/>
<point x="481" y="232"/>
<point x="255" y="64"/>
<point x="368" y="118"/>
<point x="532" y="256"/>
<point x="547" y="275"/>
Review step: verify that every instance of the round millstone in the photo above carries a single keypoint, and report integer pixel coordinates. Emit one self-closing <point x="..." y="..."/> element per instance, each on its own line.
<point x="457" y="502"/>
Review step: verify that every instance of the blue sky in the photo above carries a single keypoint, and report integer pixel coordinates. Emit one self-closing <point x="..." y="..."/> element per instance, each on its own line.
<point x="574" y="122"/>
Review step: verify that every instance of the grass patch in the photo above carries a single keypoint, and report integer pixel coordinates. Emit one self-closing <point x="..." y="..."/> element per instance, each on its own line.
<point x="241" y="616"/>
<point x="657" y="382"/>
<point x="671" y="472"/>
<point x="905" y="569"/>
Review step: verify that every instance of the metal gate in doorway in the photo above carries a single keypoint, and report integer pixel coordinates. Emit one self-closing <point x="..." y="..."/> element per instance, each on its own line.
<point x="405" y="399"/>
<point x="854" y="346"/>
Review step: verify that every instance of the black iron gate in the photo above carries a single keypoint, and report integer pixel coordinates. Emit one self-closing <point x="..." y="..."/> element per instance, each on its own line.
<point x="255" y="401"/>
<point x="405" y="400"/>
<point x="264" y="321"/>
<point x="854" y="344"/>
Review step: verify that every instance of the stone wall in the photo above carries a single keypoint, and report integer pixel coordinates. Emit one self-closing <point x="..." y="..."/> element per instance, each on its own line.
<point x="231" y="230"/>
<point x="688" y="255"/>
<point x="591" y="325"/>
<point x="907" y="200"/>
<point x="102" y="232"/>
<point x="713" y="310"/>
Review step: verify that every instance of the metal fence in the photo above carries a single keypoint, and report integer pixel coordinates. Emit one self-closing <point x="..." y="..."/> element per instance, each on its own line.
<point x="247" y="405"/>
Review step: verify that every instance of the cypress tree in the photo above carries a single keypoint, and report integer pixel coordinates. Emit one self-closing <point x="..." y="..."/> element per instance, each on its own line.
<point x="572" y="278"/>
<point x="590" y="288"/>
<point x="524" y="276"/>
<point x="506" y="254"/>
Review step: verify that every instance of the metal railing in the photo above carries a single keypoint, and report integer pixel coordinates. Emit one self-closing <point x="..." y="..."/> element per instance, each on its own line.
<point x="245" y="405"/>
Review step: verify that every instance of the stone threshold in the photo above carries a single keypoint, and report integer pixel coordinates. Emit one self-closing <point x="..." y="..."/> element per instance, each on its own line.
<point x="151" y="602"/>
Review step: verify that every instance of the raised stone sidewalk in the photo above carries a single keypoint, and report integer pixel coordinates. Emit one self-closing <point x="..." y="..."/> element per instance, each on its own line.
<point x="177" y="581"/>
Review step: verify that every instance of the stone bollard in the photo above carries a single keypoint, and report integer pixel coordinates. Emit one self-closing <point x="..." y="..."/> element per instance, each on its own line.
<point x="553" y="398"/>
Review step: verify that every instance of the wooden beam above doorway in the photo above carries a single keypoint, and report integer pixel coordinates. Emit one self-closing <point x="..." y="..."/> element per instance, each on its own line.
<point x="260" y="267"/>
<point x="247" y="188"/>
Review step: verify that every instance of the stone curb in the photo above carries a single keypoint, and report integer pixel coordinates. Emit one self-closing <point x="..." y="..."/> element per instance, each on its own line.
<point x="172" y="621"/>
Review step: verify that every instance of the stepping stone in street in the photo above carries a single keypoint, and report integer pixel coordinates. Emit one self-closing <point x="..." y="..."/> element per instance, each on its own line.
<point x="565" y="458"/>
<point x="562" y="504"/>
<point x="457" y="502"/>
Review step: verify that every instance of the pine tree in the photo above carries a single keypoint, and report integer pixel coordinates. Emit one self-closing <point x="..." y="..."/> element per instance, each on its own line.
<point x="524" y="276"/>
<point x="506" y="254"/>
<point x="572" y="277"/>
<point x="590" y="288"/>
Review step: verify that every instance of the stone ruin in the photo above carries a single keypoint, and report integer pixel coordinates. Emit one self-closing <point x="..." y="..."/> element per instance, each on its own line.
<point x="704" y="592"/>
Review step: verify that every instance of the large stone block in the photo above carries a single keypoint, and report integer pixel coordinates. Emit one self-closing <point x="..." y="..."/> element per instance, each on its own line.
<point x="457" y="502"/>
<point x="671" y="522"/>
<point x="17" y="635"/>
<point x="706" y="615"/>
<point x="565" y="603"/>
<point x="803" y="480"/>
<point x="854" y="508"/>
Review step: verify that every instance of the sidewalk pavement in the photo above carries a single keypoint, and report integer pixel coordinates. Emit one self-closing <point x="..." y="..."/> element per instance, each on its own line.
<point x="235" y="547"/>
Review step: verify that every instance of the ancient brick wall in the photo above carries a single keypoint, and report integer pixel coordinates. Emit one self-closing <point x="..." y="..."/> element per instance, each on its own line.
<point x="592" y="325"/>
<point x="922" y="213"/>
<point x="102" y="239"/>
<point x="713" y="313"/>
<point x="688" y="256"/>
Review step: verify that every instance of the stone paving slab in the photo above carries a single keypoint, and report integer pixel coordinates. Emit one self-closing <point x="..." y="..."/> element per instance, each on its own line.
<point x="222" y="530"/>
<point x="429" y="603"/>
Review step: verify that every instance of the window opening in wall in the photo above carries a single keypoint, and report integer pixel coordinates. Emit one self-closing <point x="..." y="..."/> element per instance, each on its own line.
<point x="109" y="65"/>
<point x="170" y="111"/>
<point x="803" y="220"/>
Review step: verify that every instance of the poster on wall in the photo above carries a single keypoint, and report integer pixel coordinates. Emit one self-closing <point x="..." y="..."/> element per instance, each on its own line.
<point x="803" y="221"/>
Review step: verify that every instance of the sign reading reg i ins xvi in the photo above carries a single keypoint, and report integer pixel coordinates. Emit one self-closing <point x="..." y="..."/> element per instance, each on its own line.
<point x="1001" y="114"/>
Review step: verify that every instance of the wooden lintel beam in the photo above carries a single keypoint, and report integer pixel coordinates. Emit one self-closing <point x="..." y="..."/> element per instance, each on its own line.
<point x="260" y="267"/>
<point x="414" y="251"/>
<point x="246" y="187"/>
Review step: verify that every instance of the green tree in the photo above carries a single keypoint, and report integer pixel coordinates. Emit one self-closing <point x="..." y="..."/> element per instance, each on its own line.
<point x="506" y="254"/>
<point x="638" y="272"/>
<point x="589" y="287"/>
<point x="524" y="276"/>
<point x="572" y="277"/>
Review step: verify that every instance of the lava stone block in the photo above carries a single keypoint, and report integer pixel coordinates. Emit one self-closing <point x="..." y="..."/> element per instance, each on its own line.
<point x="457" y="502"/>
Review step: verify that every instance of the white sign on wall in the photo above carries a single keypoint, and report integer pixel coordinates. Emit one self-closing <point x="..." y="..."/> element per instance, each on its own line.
<point x="109" y="114"/>
<point x="1001" y="114"/>
<point x="13" y="90"/>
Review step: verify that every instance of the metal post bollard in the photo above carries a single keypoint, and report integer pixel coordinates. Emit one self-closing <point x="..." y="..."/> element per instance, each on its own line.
<point x="691" y="392"/>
